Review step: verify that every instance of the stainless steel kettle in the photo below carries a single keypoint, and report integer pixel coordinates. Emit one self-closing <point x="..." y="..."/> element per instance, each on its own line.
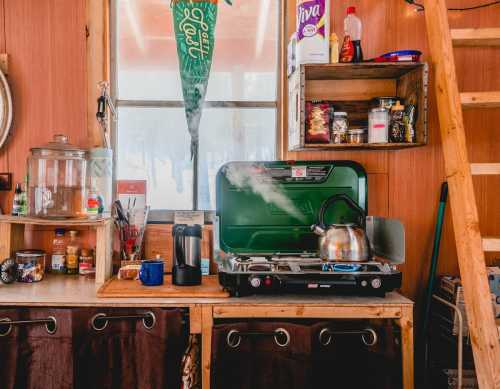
<point x="342" y="242"/>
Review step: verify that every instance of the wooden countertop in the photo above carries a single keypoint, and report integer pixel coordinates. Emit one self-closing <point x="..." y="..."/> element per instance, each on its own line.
<point x="73" y="291"/>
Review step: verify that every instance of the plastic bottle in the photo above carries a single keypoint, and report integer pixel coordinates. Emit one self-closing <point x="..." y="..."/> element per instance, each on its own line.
<point x="59" y="252"/>
<point x="334" y="48"/>
<point x="17" y="203"/>
<point x="72" y="253"/>
<point x="92" y="203"/>
<point x="351" y="49"/>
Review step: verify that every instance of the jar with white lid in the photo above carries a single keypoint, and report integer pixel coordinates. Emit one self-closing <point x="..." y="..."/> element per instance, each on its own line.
<point x="340" y="126"/>
<point x="378" y="126"/>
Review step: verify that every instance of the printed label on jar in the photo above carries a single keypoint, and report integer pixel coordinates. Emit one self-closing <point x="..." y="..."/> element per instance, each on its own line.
<point x="58" y="262"/>
<point x="72" y="261"/>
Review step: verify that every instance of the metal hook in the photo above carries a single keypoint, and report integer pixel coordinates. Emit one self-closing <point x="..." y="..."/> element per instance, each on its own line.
<point x="95" y="319"/>
<point x="9" y="327"/>
<point x="370" y="334"/>
<point x="233" y="338"/>
<point x="280" y="332"/>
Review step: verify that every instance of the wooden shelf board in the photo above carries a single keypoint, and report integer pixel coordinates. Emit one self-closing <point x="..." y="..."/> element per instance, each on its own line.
<point x="491" y="244"/>
<point x="481" y="169"/>
<point x="362" y="146"/>
<point x="476" y="37"/>
<point x="53" y="222"/>
<point x="480" y="99"/>
<point x="366" y="70"/>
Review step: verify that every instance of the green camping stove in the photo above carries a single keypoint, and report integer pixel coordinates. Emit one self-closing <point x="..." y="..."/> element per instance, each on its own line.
<point x="263" y="237"/>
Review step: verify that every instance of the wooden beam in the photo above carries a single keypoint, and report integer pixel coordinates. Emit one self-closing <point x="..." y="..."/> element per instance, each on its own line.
<point x="471" y="260"/>
<point x="480" y="99"/>
<point x="207" y="322"/>
<point x="482" y="169"/>
<point x="97" y="62"/>
<point x="476" y="37"/>
<point x="491" y="244"/>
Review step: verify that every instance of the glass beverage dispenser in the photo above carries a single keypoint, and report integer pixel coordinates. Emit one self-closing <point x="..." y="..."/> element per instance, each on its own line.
<point x="56" y="180"/>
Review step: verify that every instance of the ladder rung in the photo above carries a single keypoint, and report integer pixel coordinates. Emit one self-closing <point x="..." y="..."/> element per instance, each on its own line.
<point x="480" y="99"/>
<point x="491" y="244"/>
<point x="483" y="169"/>
<point x="476" y="37"/>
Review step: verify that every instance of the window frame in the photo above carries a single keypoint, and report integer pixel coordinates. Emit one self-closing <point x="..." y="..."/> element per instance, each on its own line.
<point x="160" y="216"/>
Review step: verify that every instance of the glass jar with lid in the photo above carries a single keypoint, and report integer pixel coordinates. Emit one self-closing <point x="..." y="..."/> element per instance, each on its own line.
<point x="30" y="265"/>
<point x="340" y="125"/>
<point x="56" y="180"/>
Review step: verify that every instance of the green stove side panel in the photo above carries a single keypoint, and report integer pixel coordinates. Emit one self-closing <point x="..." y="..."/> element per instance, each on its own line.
<point x="248" y="224"/>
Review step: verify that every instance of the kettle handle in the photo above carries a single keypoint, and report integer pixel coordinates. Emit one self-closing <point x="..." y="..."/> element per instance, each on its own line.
<point x="350" y="202"/>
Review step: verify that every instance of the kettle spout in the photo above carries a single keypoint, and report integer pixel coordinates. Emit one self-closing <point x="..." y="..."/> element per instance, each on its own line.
<point x="318" y="230"/>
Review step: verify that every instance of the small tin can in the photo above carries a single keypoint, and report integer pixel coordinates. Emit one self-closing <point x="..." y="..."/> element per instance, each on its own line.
<point x="385" y="102"/>
<point x="356" y="135"/>
<point x="30" y="265"/>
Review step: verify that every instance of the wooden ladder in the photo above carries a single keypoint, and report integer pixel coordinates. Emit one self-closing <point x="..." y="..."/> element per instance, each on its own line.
<point x="470" y="244"/>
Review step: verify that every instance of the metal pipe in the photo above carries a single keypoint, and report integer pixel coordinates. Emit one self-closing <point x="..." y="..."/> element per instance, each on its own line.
<point x="460" y="337"/>
<point x="50" y="324"/>
<point x="280" y="335"/>
<point x="148" y="320"/>
<point x="363" y="332"/>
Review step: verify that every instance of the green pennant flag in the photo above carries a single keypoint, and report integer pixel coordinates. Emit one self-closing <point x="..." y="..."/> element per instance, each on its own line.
<point x="194" y="24"/>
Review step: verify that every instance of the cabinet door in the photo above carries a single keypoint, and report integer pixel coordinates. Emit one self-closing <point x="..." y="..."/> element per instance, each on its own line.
<point x="130" y="353"/>
<point x="261" y="361"/>
<point x="37" y="355"/>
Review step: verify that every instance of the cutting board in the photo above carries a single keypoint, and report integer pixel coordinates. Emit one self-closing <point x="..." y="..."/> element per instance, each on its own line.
<point x="209" y="288"/>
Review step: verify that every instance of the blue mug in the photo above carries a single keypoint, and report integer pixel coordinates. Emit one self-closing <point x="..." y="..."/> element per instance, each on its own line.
<point x="151" y="273"/>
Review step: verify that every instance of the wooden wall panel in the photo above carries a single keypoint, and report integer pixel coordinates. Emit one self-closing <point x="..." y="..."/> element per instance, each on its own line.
<point x="45" y="40"/>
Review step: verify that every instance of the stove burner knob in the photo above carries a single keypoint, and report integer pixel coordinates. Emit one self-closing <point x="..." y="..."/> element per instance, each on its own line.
<point x="255" y="282"/>
<point x="364" y="283"/>
<point x="376" y="283"/>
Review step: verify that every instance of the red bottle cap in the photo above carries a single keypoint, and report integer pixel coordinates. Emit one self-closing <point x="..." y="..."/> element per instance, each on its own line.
<point x="351" y="10"/>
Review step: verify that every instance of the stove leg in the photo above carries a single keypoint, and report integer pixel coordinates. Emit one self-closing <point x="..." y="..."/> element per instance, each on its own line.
<point x="207" y="322"/>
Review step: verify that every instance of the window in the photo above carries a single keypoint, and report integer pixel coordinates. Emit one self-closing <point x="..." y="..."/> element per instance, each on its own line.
<point x="239" y="117"/>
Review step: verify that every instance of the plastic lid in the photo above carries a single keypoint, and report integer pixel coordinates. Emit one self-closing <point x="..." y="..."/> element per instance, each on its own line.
<point x="357" y="131"/>
<point x="59" y="143"/>
<point x="351" y="10"/>
<point x="340" y="114"/>
<point x="60" y="231"/>
<point x="397" y="107"/>
<point x="30" y="253"/>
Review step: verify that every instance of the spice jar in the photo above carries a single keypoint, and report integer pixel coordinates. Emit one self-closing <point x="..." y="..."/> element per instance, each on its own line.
<point x="86" y="263"/>
<point x="378" y="125"/>
<point x="397" y="132"/>
<point x="30" y="265"/>
<point x="356" y="136"/>
<point x="340" y="125"/>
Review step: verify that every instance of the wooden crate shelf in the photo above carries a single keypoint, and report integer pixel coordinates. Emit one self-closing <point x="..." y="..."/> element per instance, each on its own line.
<point x="363" y="146"/>
<point x="350" y="88"/>
<point x="12" y="238"/>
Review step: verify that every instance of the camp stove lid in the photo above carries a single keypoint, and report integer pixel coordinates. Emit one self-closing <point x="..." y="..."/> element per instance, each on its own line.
<point x="269" y="207"/>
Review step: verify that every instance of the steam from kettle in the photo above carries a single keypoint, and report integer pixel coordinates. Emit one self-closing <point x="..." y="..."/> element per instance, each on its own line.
<point x="261" y="183"/>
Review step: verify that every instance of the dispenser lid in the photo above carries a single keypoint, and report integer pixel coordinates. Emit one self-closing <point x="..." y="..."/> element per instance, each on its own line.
<point x="60" y="143"/>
